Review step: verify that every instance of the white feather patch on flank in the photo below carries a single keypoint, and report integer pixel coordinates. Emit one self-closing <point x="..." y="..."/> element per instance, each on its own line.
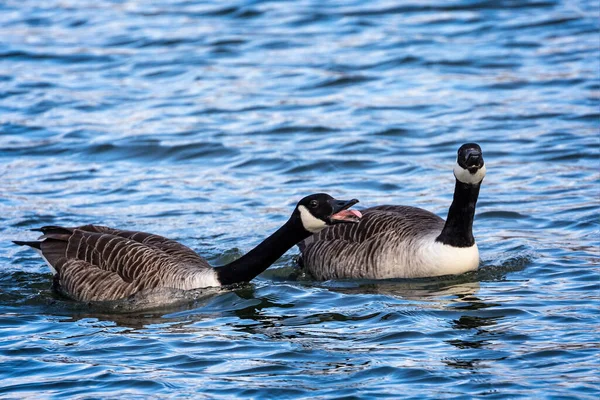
<point x="465" y="176"/>
<point x="310" y="222"/>
<point x="50" y="265"/>
<point x="202" y="279"/>
<point x="421" y="258"/>
<point x="441" y="259"/>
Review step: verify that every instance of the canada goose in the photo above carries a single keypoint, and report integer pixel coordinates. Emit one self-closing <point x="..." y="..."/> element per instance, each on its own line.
<point x="97" y="263"/>
<point x="402" y="241"/>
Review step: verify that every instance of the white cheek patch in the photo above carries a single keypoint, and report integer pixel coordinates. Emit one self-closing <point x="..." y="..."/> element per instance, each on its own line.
<point x="465" y="176"/>
<point x="309" y="221"/>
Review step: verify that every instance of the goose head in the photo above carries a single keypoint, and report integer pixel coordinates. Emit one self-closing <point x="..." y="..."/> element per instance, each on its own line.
<point x="469" y="168"/>
<point x="320" y="210"/>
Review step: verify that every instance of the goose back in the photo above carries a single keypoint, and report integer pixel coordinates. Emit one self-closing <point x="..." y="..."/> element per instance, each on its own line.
<point x="177" y="251"/>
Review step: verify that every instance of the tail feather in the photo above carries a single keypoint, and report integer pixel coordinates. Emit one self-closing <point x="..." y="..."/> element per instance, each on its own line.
<point x="53" y="229"/>
<point x="34" y="244"/>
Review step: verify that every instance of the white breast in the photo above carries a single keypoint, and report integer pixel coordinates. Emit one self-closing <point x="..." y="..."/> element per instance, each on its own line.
<point x="441" y="259"/>
<point x="198" y="280"/>
<point x="424" y="257"/>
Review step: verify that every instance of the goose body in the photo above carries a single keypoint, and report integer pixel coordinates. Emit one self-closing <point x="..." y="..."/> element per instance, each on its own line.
<point x="402" y="241"/>
<point x="98" y="263"/>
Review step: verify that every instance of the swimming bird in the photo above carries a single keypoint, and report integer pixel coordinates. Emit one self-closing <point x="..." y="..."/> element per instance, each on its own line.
<point x="97" y="263"/>
<point x="402" y="241"/>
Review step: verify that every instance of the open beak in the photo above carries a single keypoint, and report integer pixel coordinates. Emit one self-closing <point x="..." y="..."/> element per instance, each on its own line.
<point x="341" y="213"/>
<point x="474" y="161"/>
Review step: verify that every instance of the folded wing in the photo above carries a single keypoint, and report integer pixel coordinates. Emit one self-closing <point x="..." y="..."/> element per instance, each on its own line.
<point x="95" y="263"/>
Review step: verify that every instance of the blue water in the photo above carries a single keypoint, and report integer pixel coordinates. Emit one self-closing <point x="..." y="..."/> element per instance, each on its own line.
<point x="206" y="122"/>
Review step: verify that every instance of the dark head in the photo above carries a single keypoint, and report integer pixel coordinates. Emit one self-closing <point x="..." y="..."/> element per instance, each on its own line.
<point x="320" y="210"/>
<point x="469" y="168"/>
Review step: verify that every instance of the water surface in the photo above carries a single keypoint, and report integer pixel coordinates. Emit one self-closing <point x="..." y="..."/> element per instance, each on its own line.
<point x="206" y="122"/>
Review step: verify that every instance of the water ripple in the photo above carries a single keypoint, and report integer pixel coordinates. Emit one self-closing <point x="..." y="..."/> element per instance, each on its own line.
<point x="205" y="122"/>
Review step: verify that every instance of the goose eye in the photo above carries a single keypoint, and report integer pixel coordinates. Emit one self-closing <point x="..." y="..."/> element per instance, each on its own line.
<point x="313" y="204"/>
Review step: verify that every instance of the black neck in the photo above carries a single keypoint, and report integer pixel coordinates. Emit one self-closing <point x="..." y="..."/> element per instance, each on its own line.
<point x="264" y="255"/>
<point x="458" y="231"/>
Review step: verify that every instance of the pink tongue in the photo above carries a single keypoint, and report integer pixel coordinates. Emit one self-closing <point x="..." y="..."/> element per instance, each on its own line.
<point x="346" y="213"/>
<point x="356" y="212"/>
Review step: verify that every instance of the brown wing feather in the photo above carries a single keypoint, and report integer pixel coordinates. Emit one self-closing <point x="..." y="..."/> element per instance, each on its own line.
<point x="177" y="250"/>
<point x="128" y="266"/>
<point x="378" y="220"/>
<point x="96" y="263"/>
<point x="54" y="249"/>
<point x="83" y="281"/>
